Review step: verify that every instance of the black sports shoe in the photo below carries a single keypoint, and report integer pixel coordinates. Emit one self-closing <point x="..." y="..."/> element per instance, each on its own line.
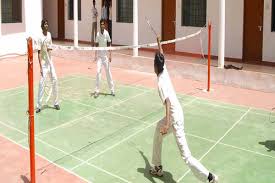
<point x="57" y="107"/>
<point x="212" y="178"/>
<point x="38" y="110"/>
<point x="156" y="170"/>
<point x="96" y="94"/>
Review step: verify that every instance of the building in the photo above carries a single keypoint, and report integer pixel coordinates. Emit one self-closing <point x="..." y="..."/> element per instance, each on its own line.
<point x="249" y="29"/>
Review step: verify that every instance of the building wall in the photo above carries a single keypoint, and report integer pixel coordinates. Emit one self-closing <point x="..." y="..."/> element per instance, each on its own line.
<point x="268" y="36"/>
<point x="234" y="27"/>
<point x="123" y="32"/>
<point x="150" y="9"/>
<point x="13" y="38"/>
<point x="85" y="25"/>
<point x="233" y="30"/>
<point x="50" y="12"/>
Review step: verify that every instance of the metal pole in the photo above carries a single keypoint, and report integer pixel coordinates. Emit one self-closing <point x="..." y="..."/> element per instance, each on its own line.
<point x="31" y="110"/>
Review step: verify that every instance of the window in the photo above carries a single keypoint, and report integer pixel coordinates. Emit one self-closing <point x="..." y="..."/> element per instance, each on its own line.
<point x="71" y="9"/>
<point x="193" y="13"/>
<point x="125" y="11"/>
<point x="11" y="11"/>
<point x="273" y="16"/>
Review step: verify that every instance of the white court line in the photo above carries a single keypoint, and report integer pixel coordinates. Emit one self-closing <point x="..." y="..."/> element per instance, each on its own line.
<point x="68" y="154"/>
<point x="13" y="128"/>
<point x="117" y="114"/>
<point x="124" y="85"/>
<point x="65" y="124"/>
<point x="234" y="147"/>
<point x="123" y="140"/>
<point x="206" y="101"/>
<point x="43" y="157"/>
<point x="70" y="122"/>
<point x="233" y="108"/>
<point x="220" y="139"/>
<point x="254" y="152"/>
<point x="25" y="87"/>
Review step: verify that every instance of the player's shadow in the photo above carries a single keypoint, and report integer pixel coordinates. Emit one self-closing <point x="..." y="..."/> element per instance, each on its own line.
<point x="269" y="144"/>
<point x="101" y="94"/>
<point x="25" y="179"/>
<point x="167" y="176"/>
<point x="47" y="107"/>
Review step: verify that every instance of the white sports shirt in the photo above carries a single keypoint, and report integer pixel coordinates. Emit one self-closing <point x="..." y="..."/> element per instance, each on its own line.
<point x="166" y="90"/>
<point x="102" y="40"/>
<point x="45" y="42"/>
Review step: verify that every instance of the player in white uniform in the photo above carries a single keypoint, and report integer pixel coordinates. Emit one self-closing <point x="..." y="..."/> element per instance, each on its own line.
<point x="173" y="122"/>
<point x="103" y="40"/>
<point x="46" y="66"/>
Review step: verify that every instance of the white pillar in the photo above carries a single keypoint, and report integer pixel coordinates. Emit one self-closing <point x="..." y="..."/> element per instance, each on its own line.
<point x="135" y="27"/>
<point x="221" y="34"/>
<point x="0" y="19"/>
<point x="75" y="23"/>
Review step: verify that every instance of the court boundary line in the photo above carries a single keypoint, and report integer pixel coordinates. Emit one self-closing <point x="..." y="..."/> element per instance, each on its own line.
<point x="25" y="87"/>
<point x="217" y="142"/>
<point x="117" y="114"/>
<point x="74" y="120"/>
<point x="188" y="134"/>
<point x="79" y="159"/>
<point x="206" y="101"/>
<point x="46" y="159"/>
<point x="210" y="148"/>
<point x="123" y="140"/>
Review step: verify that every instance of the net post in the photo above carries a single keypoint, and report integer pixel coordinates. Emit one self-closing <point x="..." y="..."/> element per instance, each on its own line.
<point x="209" y="54"/>
<point x="31" y="109"/>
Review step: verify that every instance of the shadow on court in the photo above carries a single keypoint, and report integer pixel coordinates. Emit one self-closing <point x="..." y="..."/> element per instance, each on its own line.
<point x="167" y="176"/>
<point x="101" y="94"/>
<point x="269" y="144"/>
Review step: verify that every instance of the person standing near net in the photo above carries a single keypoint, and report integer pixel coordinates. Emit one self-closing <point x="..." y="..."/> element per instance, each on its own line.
<point x="103" y="40"/>
<point x="94" y="23"/>
<point x="173" y="122"/>
<point x="46" y="66"/>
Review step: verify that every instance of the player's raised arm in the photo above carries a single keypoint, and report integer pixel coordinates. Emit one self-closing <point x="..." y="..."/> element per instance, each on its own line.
<point x="159" y="45"/>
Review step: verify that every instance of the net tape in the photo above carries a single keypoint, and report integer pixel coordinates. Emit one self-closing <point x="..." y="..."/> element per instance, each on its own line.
<point x="112" y="48"/>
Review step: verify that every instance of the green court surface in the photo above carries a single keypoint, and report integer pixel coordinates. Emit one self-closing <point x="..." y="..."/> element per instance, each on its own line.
<point x="109" y="139"/>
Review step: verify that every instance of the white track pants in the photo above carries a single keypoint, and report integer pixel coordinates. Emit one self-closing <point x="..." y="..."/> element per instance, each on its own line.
<point x="178" y="129"/>
<point x="105" y="62"/>
<point x="48" y="70"/>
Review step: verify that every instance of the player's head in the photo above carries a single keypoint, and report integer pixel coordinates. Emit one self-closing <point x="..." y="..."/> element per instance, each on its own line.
<point x="102" y="25"/>
<point x="44" y="25"/>
<point x="159" y="63"/>
<point x="94" y="2"/>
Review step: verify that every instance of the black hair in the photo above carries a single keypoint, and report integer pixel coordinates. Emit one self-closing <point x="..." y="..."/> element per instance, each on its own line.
<point x="102" y="20"/>
<point x="43" y="22"/>
<point x="159" y="62"/>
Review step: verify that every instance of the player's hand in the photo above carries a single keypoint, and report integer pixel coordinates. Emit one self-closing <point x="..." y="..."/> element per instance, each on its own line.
<point x="164" y="129"/>
<point x="110" y="59"/>
<point x="158" y="39"/>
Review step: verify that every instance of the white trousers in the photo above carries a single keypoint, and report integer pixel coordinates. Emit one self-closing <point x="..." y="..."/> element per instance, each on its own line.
<point x="105" y="62"/>
<point x="178" y="129"/>
<point x="47" y="70"/>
